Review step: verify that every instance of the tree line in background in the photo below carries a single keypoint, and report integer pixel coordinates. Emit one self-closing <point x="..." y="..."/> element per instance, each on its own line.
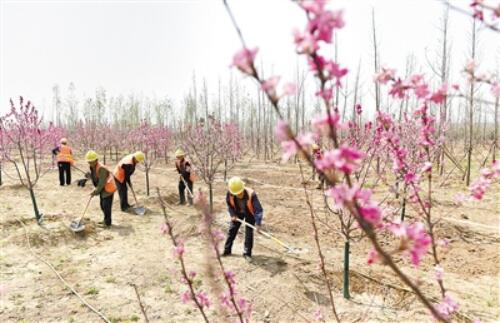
<point x="466" y="118"/>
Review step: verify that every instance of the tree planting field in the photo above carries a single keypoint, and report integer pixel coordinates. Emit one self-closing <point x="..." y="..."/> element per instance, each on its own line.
<point x="101" y="264"/>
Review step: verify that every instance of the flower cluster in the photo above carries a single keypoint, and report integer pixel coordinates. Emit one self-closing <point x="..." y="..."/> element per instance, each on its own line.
<point x="471" y="70"/>
<point x="415" y="240"/>
<point x="447" y="307"/>
<point x="244" y="60"/>
<point x="479" y="6"/>
<point x="479" y="187"/>
<point x="320" y="28"/>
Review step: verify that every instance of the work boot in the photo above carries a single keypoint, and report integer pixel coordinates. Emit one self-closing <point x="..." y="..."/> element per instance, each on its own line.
<point x="181" y="203"/>
<point x="127" y="208"/>
<point x="226" y="254"/>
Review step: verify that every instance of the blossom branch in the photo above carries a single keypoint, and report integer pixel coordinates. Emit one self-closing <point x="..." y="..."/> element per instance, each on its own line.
<point x="179" y="253"/>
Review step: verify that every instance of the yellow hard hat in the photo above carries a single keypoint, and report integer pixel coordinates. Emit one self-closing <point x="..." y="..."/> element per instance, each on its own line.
<point x="63" y="141"/>
<point x="235" y="185"/>
<point x="315" y="146"/>
<point x="179" y="153"/>
<point x="139" y="156"/>
<point x="91" y="156"/>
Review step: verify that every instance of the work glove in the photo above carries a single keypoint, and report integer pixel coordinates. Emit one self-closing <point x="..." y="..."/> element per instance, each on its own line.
<point x="82" y="182"/>
<point x="94" y="193"/>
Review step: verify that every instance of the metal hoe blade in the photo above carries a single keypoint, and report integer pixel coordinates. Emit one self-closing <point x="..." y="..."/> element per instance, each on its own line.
<point x="140" y="210"/>
<point x="76" y="226"/>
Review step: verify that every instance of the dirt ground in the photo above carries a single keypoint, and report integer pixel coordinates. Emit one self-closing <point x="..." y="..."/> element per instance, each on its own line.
<point x="101" y="264"/>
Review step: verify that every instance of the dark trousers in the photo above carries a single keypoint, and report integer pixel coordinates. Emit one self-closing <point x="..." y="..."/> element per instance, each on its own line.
<point x="106" y="206"/>
<point x="64" y="169"/>
<point x="182" y="188"/>
<point x="233" y="231"/>
<point x="123" y="193"/>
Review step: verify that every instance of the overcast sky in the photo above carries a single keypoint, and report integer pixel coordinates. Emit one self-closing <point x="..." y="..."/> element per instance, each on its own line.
<point x="153" y="47"/>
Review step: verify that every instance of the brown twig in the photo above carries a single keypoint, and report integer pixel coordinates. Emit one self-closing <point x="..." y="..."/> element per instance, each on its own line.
<point x="143" y="310"/>
<point x="84" y="302"/>
<point x="318" y="246"/>
<point x="181" y="259"/>
<point x="207" y="218"/>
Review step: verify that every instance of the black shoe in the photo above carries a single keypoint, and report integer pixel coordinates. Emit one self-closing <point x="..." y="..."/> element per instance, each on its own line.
<point x="127" y="208"/>
<point x="181" y="203"/>
<point x="226" y="254"/>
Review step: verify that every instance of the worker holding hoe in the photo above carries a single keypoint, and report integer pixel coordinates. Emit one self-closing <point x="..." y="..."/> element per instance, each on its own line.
<point x="64" y="157"/>
<point x="242" y="204"/>
<point x="104" y="185"/>
<point x="186" y="177"/>
<point x="123" y="172"/>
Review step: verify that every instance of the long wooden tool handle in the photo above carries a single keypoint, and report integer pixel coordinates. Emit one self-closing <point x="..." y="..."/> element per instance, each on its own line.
<point x="85" y="210"/>
<point x="187" y="187"/>
<point x="78" y="169"/>
<point x="265" y="234"/>
<point x="133" y="193"/>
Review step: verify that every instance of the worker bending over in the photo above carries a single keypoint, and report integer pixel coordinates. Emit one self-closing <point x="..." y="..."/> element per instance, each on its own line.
<point x="243" y="204"/>
<point x="183" y="167"/>
<point x="104" y="185"/>
<point x="123" y="172"/>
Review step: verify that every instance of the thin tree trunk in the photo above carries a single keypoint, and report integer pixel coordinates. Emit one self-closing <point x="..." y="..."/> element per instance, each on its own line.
<point x="471" y="108"/>
<point x="346" y="270"/>
<point x="147" y="180"/>
<point x="495" y="137"/>
<point x="211" y="197"/>
<point x="376" y="67"/>
<point x="356" y="91"/>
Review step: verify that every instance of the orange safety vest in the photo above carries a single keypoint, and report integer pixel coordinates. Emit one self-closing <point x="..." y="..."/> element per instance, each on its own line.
<point x="192" y="175"/>
<point x="119" y="172"/>
<point x="64" y="155"/>
<point x="250" y="207"/>
<point x="110" y="185"/>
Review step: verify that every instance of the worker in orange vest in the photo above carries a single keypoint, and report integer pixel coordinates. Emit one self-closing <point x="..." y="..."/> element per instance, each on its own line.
<point x="242" y="203"/>
<point x="318" y="155"/>
<point x="64" y="157"/>
<point x="123" y="172"/>
<point x="104" y="184"/>
<point x="183" y="167"/>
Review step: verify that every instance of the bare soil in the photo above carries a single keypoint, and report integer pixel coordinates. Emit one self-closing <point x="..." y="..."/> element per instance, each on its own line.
<point x="101" y="264"/>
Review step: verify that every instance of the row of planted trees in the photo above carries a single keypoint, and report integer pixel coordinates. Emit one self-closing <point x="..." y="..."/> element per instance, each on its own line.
<point x="26" y="143"/>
